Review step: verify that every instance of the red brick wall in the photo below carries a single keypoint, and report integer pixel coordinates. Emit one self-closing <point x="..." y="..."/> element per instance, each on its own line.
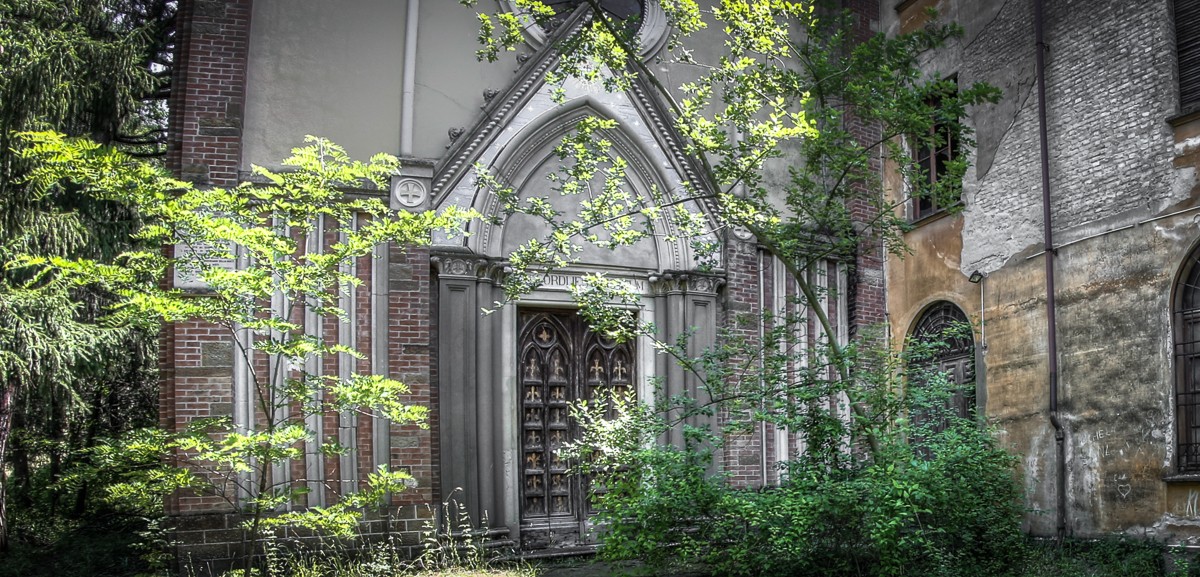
<point x="867" y="302"/>
<point x="410" y="311"/>
<point x="207" y="97"/>
<point x="742" y="453"/>
<point x="208" y="90"/>
<point x="201" y="366"/>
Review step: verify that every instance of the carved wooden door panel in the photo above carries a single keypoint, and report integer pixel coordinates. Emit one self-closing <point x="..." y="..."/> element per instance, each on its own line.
<point x="561" y="362"/>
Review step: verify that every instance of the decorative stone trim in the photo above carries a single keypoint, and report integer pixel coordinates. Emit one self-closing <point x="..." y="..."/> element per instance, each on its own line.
<point x="651" y="37"/>
<point x="676" y="282"/>
<point x="458" y="266"/>
<point x="409" y="189"/>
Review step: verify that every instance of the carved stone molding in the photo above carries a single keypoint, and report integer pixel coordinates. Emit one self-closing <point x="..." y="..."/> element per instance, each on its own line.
<point x="460" y="266"/>
<point x="686" y="283"/>
<point x="666" y="283"/>
<point x="463" y="265"/>
<point x="495" y="272"/>
<point x="705" y="284"/>
<point x="409" y="190"/>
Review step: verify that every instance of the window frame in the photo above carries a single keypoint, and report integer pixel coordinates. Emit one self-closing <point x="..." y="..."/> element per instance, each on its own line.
<point x="1185" y="314"/>
<point x="1186" y="17"/>
<point x="930" y="162"/>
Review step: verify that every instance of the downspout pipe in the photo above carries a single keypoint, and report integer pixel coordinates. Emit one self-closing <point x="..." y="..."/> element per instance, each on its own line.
<point x="762" y="366"/>
<point x="409" y="79"/>
<point x="1051" y="323"/>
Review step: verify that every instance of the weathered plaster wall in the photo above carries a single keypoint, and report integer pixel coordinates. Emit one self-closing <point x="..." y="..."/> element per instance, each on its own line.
<point x="1115" y="375"/>
<point x="331" y="69"/>
<point x="450" y="80"/>
<point x="1115" y="372"/>
<point x="335" y="69"/>
<point x="1111" y="89"/>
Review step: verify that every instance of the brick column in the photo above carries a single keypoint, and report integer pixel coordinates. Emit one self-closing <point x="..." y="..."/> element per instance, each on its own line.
<point x="410" y="326"/>
<point x="867" y="298"/>
<point x="208" y="91"/>
<point x="743" y="313"/>
<point x="207" y="98"/>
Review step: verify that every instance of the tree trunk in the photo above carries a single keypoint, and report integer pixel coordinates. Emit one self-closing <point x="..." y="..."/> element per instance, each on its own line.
<point x="55" y="429"/>
<point x="18" y="458"/>
<point x="6" y="410"/>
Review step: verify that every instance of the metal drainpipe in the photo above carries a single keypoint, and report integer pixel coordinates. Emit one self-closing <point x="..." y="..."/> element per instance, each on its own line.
<point x="1051" y="325"/>
<point x="762" y="367"/>
<point x="408" y="80"/>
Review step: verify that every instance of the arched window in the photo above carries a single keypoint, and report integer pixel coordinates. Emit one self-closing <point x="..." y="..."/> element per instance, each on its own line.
<point x="952" y="352"/>
<point x="1187" y="364"/>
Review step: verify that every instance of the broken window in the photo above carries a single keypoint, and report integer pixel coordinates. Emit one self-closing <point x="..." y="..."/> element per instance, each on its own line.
<point x="931" y="153"/>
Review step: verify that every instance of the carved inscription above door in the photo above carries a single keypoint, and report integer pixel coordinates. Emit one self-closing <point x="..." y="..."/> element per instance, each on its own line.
<point x="561" y="362"/>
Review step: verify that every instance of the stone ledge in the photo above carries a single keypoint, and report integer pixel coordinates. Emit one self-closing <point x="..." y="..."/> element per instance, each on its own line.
<point x="1182" y="478"/>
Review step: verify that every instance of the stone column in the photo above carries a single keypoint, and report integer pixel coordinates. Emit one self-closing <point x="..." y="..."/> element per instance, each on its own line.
<point x="685" y="303"/>
<point x="458" y="418"/>
<point x="471" y="394"/>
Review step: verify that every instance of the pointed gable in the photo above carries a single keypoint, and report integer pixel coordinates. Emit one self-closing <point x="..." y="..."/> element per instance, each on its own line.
<point x="517" y="132"/>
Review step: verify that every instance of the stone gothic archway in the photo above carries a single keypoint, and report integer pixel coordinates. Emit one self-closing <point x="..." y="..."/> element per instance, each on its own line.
<point x="482" y="427"/>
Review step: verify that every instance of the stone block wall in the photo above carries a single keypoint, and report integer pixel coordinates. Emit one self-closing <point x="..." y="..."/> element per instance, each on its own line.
<point x="205" y="545"/>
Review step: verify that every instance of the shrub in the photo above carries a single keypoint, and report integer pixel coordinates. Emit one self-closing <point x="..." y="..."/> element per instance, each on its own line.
<point x="937" y="496"/>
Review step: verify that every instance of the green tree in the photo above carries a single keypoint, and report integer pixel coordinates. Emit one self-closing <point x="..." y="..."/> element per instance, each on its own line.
<point x="260" y="304"/>
<point x="792" y="85"/>
<point x="96" y="68"/>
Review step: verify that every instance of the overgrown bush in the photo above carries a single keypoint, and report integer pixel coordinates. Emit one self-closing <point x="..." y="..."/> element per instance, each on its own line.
<point x="936" y="496"/>
<point x="1116" y="556"/>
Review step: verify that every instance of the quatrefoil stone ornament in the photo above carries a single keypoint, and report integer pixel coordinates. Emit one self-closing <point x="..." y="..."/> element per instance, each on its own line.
<point x="409" y="193"/>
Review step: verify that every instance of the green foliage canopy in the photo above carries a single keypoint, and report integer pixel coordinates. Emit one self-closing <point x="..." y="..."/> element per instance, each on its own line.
<point x="261" y="305"/>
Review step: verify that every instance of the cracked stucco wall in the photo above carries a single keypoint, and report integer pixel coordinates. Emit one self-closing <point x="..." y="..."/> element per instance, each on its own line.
<point x="1118" y="177"/>
<point x="1110" y="87"/>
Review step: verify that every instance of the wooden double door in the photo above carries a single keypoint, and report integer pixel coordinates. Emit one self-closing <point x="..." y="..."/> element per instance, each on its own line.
<point x="561" y="361"/>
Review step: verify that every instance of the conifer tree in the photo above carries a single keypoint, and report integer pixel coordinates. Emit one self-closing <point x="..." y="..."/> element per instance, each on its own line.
<point x="94" y="68"/>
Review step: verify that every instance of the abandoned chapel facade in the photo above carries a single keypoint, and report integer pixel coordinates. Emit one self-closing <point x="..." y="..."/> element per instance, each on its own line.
<point x="254" y="76"/>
